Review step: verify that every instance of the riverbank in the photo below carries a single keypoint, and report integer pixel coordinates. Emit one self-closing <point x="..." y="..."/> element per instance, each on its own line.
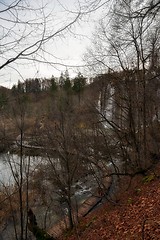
<point x="134" y="215"/>
<point x="86" y="207"/>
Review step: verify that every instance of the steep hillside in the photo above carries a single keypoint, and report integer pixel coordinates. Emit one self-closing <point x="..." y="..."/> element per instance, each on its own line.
<point x="134" y="216"/>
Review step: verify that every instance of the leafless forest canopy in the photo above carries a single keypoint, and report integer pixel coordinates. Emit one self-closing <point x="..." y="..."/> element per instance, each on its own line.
<point x="82" y="128"/>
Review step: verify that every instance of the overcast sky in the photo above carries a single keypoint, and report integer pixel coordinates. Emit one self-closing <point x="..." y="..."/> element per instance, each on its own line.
<point x="68" y="49"/>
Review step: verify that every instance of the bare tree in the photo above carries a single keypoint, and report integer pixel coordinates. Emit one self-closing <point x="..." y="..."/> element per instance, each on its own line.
<point x="28" y="30"/>
<point x="67" y="170"/>
<point x="20" y="170"/>
<point x="123" y="44"/>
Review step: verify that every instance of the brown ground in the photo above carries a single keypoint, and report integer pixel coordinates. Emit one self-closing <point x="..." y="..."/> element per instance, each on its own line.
<point x="58" y="229"/>
<point x="136" y="216"/>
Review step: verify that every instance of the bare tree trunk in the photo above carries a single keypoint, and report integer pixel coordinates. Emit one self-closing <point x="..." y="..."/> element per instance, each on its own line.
<point x="21" y="187"/>
<point x="35" y="229"/>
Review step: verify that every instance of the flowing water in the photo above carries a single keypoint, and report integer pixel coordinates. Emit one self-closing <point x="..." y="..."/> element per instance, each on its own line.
<point x="10" y="165"/>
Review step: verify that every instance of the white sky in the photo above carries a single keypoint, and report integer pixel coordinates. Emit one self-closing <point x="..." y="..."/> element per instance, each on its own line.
<point x="68" y="49"/>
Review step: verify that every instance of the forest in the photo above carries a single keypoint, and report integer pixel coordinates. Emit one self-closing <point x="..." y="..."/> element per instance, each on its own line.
<point x="67" y="140"/>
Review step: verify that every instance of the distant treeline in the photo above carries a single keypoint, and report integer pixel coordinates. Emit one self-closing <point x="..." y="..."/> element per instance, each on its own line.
<point x="36" y="85"/>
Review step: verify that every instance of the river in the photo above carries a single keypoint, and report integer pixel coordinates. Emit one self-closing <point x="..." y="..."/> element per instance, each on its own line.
<point x="8" y="161"/>
<point x="83" y="189"/>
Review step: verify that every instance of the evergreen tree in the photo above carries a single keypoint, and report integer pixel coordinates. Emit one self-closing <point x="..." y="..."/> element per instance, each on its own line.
<point x="14" y="89"/>
<point x="54" y="86"/>
<point x="20" y="87"/>
<point x="79" y="83"/>
<point x="3" y="100"/>
<point x="61" y="80"/>
<point x="28" y="85"/>
<point x="36" y="85"/>
<point x="67" y="82"/>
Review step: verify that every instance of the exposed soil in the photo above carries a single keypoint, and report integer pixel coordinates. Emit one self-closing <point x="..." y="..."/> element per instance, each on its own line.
<point x="134" y="216"/>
